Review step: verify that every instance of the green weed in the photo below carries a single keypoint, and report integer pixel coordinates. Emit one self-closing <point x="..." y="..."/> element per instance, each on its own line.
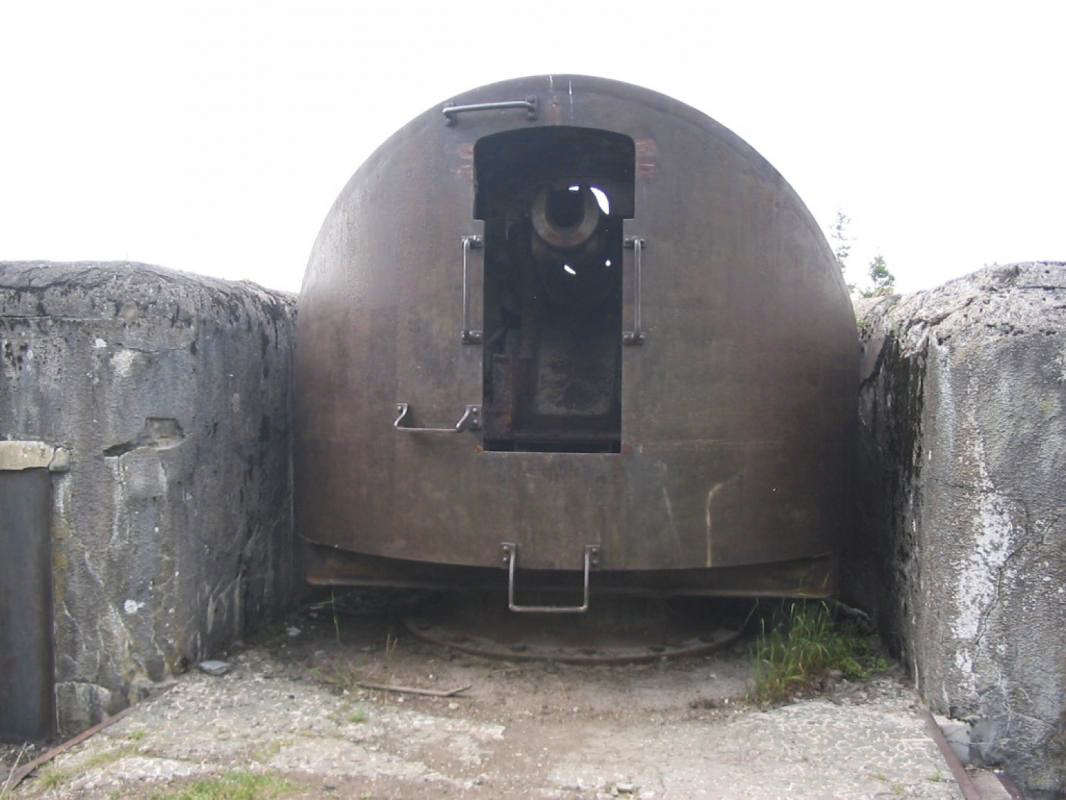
<point x="340" y="673"/>
<point x="231" y="786"/>
<point x="52" y="776"/>
<point x="270" y="750"/>
<point x="336" y="619"/>
<point x="390" y="644"/>
<point x="801" y="645"/>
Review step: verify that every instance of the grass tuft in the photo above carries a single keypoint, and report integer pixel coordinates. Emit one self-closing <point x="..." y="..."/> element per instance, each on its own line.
<point x="231" y="786"/>
<point x="341" y="674"/>
<point x="802" y="645"/>
<point x="53" y="776"/>
<point x="336" y="619"/>
<point x="270" y="750"/>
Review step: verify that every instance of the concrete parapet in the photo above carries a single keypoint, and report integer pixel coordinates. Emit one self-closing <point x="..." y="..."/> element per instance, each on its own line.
<point x="168" y="395"/>
<point x="961" y="550"/>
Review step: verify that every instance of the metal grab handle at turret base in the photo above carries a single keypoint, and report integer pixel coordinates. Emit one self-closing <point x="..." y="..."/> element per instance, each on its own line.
<point x="470" y="421"/>
<point x="466" y="335"/>
<point x="637" y="245"/>
<point x="510" y="557"/>
<point x="530" y="104"/>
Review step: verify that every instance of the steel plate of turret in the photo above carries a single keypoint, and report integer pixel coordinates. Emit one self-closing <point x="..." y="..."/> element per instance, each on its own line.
<point x="572" y="324"/>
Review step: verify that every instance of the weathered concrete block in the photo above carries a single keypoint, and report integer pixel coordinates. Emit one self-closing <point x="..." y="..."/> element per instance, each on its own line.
<point x="962" y="545"/>
<point x="172" y="532"/>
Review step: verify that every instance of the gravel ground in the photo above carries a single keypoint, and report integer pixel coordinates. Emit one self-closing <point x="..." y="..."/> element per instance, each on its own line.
<point x="291" y="708"/>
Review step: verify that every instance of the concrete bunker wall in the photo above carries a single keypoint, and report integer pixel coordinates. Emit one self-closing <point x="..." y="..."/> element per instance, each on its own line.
<point x="961" y="546"/>
<point x="171" y="530"/>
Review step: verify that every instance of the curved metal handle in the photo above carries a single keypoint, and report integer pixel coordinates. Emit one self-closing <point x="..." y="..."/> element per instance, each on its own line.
<point x="510" y="557"/>
<point x="471" y="420"/>
<point x="637" y="245"/>
<point x="466" y="335"/>
<point x="530" y="104"/>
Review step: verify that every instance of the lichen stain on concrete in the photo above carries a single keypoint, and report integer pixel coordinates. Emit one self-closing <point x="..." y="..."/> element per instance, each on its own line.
<point x="122" y="362"/>
<point x="131" y="607"/>
<point x="980" y="567"/>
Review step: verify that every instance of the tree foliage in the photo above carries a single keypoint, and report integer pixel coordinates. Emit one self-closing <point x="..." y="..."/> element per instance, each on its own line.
<point x="884" y="282"/>
<point x="841" y="239"/>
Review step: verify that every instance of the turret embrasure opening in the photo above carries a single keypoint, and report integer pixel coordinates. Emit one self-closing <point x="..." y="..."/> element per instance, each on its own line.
<point x="553" y="200"/>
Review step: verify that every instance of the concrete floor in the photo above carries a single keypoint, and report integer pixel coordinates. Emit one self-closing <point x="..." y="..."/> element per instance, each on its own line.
<point x="291" y="709"/>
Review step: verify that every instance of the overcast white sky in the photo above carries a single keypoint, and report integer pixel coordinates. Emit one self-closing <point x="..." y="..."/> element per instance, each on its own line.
<point x="214" y="136"/>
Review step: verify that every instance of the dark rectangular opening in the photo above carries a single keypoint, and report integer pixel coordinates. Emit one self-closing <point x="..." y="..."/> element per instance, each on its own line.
<point x="553" y="200"/>
<point x="27" y="673"/>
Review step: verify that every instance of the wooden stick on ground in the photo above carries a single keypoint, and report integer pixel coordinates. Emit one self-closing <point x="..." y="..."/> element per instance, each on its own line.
<point x="5" y="790"/>
<point x="414" y="690"/>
